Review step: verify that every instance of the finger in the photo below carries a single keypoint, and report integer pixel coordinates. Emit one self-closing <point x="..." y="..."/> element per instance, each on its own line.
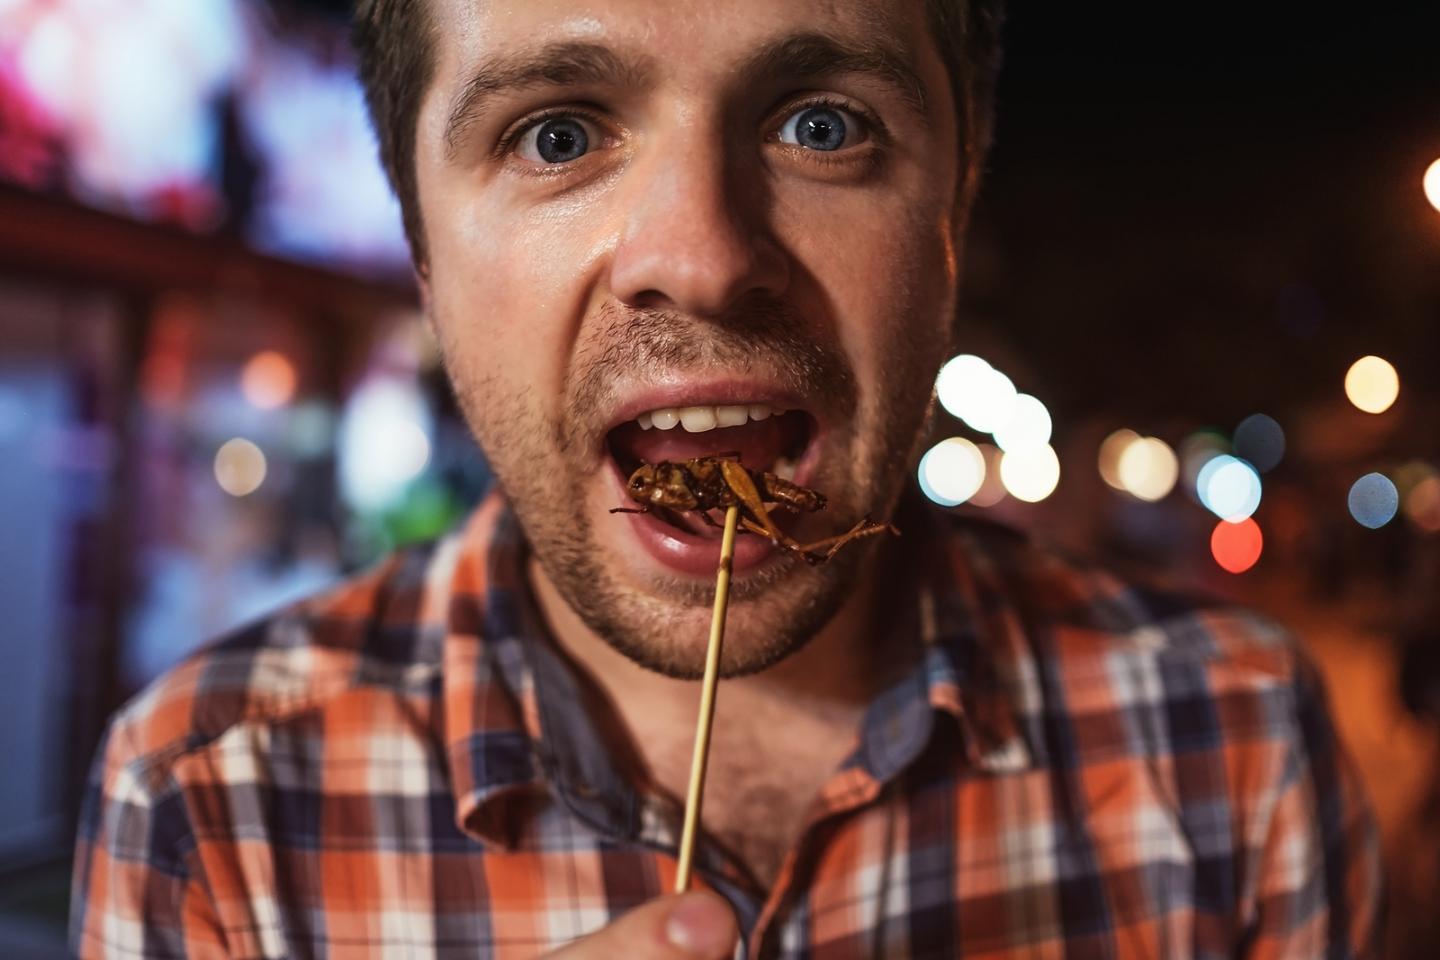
<point x="690" y="926"/>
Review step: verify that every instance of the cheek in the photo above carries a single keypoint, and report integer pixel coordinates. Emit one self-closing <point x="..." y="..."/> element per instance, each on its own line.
<point x="508" y="287"/>
<point x="887" y="276"/>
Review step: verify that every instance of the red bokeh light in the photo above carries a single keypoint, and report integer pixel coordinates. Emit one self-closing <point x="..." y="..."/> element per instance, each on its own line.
<point x="1237" y="546"/>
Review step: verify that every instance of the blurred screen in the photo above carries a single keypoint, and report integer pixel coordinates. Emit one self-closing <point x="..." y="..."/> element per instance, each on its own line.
<point x="216" y="115"/>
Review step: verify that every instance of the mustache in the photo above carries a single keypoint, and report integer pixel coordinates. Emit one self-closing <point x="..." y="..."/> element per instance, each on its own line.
<point x="763" y="334"/>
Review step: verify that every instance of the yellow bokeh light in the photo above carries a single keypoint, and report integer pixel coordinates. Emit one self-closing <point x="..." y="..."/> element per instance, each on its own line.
<point x="1148" y="469"/>
<point x="240" y="467"/>
<point x="1372" y="384"/>
<point x="1111" y="450"/>
<point x="1432" y="184"/>
<point x="1030" y="474"/>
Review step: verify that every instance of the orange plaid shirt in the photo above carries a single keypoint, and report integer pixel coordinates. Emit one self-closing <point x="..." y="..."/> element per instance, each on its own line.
<point x="403" y="768"/>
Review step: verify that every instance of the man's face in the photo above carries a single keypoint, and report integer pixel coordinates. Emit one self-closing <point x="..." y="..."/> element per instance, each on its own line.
<point x="718" y="210"/>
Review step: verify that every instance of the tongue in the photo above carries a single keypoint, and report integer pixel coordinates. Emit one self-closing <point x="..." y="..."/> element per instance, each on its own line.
<point x="759" y="444"/>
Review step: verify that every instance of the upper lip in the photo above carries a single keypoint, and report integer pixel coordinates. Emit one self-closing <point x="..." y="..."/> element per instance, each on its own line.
<point x="702" y="393"/>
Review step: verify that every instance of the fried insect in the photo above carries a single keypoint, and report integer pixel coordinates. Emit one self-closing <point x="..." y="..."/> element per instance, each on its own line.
<point x="722" y="481"/>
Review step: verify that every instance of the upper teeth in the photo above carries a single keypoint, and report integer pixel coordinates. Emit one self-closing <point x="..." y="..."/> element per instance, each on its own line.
<point x="701" y="419"/>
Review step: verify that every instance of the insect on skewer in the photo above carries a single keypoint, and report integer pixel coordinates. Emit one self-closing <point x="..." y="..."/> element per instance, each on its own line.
<point x="721" y="482"/>
<point x="709" y="483"/>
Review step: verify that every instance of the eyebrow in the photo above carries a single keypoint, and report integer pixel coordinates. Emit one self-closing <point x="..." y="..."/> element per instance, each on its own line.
<point x="562" y="64"/>
<point x="808" y="56"/>
<point x="818" y="55"/>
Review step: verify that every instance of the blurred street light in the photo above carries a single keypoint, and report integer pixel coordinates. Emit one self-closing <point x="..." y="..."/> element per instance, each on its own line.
<point x="1432" y="184"/>
<point x="1028" y="425"/>
<point x="1237" y="546"/>
<point x="1374" y="500"/>
<point x="1260" y="441"/>
<point x="1372" y="384"/>
<point x="240" y="467"/>
<point x="268" y="380"/>
<point x="952" y="471"/>
<point x="1229" y="488"/>
<point x="1148" y="469"/>
<point x="1112" y="448"/>
<point x="1031" y="474"/>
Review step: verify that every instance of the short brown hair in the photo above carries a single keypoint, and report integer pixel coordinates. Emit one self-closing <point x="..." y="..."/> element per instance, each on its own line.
<point x="393" y="40"/>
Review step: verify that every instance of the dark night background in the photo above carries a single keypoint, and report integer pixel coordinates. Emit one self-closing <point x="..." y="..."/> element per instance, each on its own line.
<point x="1206" y="209"/>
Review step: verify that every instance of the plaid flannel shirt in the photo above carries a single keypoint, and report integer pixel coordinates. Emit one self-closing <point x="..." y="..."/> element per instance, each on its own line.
<point x="406" y="768"/>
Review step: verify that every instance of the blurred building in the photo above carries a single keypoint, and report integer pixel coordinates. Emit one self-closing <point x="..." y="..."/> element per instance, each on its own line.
<point x="216" y="393"/>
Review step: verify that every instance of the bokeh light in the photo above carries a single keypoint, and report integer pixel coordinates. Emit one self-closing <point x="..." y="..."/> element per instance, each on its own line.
<point x="310" y="429"/>
<point x="1260" y="441"/>
<point x="1229" y="488"/>
<point x="1148" y="469"/>
<point x="240" y="467"/>
<point x="1372" y="384"/>
<point x="975" y="393"/>
<point x="992" y="491"/>
<point x="1112" y="448"/>
<point x="952" y="471"/>
<point x="1409" y="475"/>
<point x="1432" y="184"/>
<point x="1197" y="450"/>
<point x="1030" y="474"/>
<point x="1237" y="546"/>
<point x="1374" y="500"/>
<point x="1422" y="504"/>
<point x="957" y="383"/>
<point x="1028" y="425"/>
<point x="384" y="443"/>
<point x="268" y="380"/>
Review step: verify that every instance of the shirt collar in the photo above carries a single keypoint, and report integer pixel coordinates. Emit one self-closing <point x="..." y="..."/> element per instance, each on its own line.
<point x="517" y="717"/>
<point x="974" y="661"/>
<point x="504" y="741"/>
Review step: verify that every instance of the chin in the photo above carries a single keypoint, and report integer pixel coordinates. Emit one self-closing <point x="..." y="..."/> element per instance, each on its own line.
<point x="772" y="614"/>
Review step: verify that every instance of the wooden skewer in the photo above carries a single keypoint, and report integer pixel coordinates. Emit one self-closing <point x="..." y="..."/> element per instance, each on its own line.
<point x="707" y="703"/>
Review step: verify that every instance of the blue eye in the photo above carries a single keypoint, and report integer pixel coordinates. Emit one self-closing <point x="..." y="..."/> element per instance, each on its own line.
<point x="821" y="128"/>
<point x="559" y="140"/>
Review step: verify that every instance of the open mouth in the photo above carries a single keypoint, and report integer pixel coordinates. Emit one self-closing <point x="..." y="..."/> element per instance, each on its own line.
<point x="763" y="438"/>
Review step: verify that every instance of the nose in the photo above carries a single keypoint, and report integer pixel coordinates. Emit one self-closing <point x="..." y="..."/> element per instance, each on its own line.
<point x="692" y="239"/>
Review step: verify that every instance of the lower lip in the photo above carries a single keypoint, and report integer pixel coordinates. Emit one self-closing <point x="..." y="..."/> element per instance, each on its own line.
<point x="687" y="553"/>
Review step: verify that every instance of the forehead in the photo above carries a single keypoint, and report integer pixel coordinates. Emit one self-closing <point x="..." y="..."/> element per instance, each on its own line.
<point x="684" y="40"/>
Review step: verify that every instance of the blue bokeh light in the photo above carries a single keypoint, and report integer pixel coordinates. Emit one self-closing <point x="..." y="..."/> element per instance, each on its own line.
<point x="1261" y="441"/>
<point x="1374" y="500"/>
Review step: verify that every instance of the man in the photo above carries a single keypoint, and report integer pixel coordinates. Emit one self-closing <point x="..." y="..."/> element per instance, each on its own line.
<point x="653" y="231"/>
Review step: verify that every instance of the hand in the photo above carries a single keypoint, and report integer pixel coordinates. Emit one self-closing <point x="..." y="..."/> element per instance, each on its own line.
<point x="687" y="926"/>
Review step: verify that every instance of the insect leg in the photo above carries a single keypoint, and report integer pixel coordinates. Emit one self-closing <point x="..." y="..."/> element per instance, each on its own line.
<point x="738" y="479"/>
<point x="629" y="510"/>
<point x="864" y="528"/>
<point x="751" y="526"/>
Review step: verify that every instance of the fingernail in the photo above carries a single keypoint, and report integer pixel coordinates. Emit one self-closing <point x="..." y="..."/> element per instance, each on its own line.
<point x="701" y="924"/>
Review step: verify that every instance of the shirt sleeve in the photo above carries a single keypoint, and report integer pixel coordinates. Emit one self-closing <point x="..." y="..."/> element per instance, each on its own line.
<point x="1319" y="888"/>
<point x="136" y="892"/>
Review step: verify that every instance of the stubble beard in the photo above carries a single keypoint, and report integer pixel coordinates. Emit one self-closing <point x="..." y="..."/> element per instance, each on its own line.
<point x="661" y="624"/>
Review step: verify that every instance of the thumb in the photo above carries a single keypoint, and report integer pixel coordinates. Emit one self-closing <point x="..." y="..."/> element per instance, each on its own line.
<point x="688" y="926"/>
